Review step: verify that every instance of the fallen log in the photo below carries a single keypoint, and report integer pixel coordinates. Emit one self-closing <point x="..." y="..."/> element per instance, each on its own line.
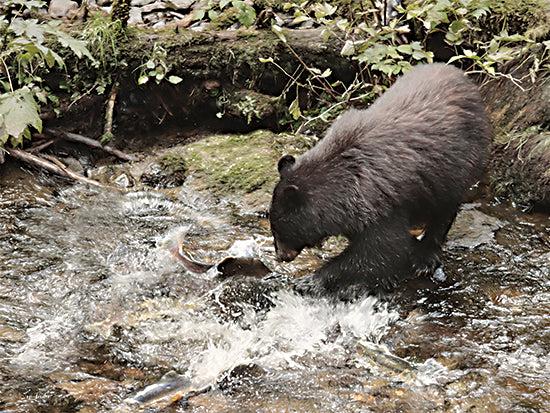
<point x="74" y="137"/>
<point x="56" y="167"/>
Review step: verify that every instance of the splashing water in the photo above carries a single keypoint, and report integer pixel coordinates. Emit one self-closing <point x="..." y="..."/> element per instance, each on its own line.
<point x="89" y="292"/>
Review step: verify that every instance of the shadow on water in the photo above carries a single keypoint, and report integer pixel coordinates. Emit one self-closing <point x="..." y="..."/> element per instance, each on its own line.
<point x="93" y="308"/>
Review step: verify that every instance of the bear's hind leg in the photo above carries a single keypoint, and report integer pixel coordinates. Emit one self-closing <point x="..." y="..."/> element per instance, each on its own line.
<point x="428" y="249"/>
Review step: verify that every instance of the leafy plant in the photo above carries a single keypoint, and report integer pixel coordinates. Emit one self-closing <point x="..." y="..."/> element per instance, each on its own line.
<point x="243" y="12"/>
<point x="155" y="67"/>
<point x="25" y="54"/>
<point x="385" y="48"/>
<point x="103" y="37"/>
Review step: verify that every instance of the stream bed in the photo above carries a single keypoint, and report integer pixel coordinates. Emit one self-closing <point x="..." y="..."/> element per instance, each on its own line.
<point x="95" y="308"/>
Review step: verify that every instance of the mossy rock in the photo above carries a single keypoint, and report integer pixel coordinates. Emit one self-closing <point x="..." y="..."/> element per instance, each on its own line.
<point x="244" y="165"/>
<point x="167" y="171"/>
<point x="520" y="168"/>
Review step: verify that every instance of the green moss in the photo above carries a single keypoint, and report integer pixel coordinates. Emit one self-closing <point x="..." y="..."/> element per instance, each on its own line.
<point x="173" y="161"/>
<point x="241" y="163"/>
<point x="225" y="19"/>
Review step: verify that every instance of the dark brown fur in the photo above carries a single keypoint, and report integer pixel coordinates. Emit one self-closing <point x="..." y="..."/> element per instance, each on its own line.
<point x="408" y="159"/>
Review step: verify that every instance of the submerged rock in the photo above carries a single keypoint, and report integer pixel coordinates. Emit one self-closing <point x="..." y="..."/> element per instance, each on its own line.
<point x="473" y="228"/>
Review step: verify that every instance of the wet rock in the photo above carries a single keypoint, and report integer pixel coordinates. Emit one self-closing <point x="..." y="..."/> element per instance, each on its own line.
<point x="11" y="334"/>
<point x="473" y="228"/>
<point x="167" y="171"/>
<point x="61" y="8"/>
<point x="91" y="390"/>
<point x="124" y="181"/>
<point x="74" y="165"/>
<point x="242" y="375"/>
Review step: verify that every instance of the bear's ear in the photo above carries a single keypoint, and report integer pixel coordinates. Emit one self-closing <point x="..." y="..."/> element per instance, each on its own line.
<point x="285" y="163"/>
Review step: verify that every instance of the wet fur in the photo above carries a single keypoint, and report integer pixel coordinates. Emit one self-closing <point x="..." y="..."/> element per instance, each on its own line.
<point x="407" y="159"/>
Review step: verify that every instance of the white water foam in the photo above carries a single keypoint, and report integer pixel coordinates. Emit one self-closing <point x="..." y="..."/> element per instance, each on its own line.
<point x="295" y="327"/>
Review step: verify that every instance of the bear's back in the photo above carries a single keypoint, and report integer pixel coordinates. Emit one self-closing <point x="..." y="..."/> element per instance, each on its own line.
<point x="425" y="138"/>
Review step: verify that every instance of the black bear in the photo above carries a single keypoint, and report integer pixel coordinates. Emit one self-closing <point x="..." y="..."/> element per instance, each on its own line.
<point x="405" y="161"/>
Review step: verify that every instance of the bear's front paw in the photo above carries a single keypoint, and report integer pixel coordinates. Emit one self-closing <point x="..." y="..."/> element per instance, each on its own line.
<point x="426" y="266"/>
<point x="307" y="285"/>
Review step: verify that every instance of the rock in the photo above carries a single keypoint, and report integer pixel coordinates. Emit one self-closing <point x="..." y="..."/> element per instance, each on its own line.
<point x="61" y="8"/>
<point x="519" y="161"/>
<point x="159" y="24"/>
<point x="139" y="3"/>
<point x="135" y="16"/>
<point x="167" y="171"/>
<point x="180" y="4"/>
<point x="472" y="229"/>
<point x="124" y="181"/>
<point x="519" y="169"/>
<point x="157" y="5"/>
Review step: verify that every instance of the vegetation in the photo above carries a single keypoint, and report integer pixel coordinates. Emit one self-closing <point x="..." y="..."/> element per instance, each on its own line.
<point x="26" y="55"/>
<point x="480" y="35"/>
<point x="477" y="39"/>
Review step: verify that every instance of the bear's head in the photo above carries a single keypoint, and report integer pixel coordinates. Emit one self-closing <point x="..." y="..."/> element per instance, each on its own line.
<point x="291" y="215"/>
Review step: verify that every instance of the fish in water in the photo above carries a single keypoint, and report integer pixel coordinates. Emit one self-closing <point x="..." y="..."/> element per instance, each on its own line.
<point x="171" y="388"/>
<point x="228" y="267"/>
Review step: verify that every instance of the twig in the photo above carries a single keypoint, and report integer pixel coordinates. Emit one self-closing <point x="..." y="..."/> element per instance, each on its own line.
<point x="323" y="84"/>
<point x="39" y="147"/>
<point x="55" y="168"/>
<point x="74" y="137"/>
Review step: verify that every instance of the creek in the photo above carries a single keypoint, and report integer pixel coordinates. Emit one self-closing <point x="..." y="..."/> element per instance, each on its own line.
<point x="94" y="307"/>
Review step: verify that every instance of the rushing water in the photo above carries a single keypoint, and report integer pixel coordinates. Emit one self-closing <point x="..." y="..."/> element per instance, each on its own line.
<point x="93" y="307"/>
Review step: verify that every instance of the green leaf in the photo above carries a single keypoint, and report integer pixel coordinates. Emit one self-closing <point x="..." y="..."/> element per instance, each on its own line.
<point x="457" y="26"/>
<point x="294" y="108"/>
<point x="174" y="79"/>
<point x="264" y="60"/>
<point x="324" y="10"/>
<point x="325" y="34"/>
<point x="301" y="18"/>
<point x="326" y="73"/>
<point x="246" y="15"/>
<point x="78" y="47"/>
<point x="405" y="48"/>
<point x="29" y="4"/>
<point x="30" y="29"/>
<point x="143" y="79"/>
<point x="279" y="32"/>
<point x="199" y="15"/>
<point x="212" y="14"/>
<point x="348" y="49"/>
<point x="19" y="111"/>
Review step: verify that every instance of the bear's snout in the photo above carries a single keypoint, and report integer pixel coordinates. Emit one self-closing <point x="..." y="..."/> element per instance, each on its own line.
<point x="284" y="254"/>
